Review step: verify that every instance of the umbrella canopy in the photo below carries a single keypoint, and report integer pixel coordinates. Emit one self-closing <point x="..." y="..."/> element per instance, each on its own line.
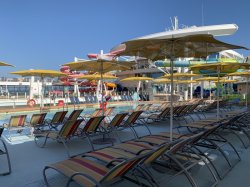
<point x="188" y="46"/>
<point x="100" y="65"/>
<point x="241" y="74"/>
<point x="39" y="73"/>
<point x="225" y="81"/>
<point x="5" y="64"/>
<point x="97" y="76"/>
<point x="219" y="67"/>
<point x="200" y="45"/>
<point x="180" y="75"/>
<point x="207" y="79"/>
<point x="136" y="79"/>
<point x="163" y="81"/>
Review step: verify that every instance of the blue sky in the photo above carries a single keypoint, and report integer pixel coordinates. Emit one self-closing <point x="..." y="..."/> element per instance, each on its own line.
<point x="47" y="33"/>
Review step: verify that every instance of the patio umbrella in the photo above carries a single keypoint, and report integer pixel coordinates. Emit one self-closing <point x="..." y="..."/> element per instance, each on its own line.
<point x="209" y="79"/>
<point x="40" y="73"/>
<point x="5" y="64"/>
<point x="139" y="79"/>
<point x="217" y="68"/>
<point x="242" y="74"/>
<point x="183" y="75"/>
<point x="100" y="65"/>
<point x="200" y="45"/>
<point x="98" y="76"/>
<point x="180" y="75"/>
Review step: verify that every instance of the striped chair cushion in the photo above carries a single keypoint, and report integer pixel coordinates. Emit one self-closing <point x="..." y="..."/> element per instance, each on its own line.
<point x="82" y="165"/>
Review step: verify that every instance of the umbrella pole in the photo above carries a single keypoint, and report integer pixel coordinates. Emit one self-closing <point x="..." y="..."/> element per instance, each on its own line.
<point x="218" y="94"/>
<point x="171" y="95"/>
<point x="42" y="90"/>
<point x="246" y="91"/>
<point x="101" y="83"/>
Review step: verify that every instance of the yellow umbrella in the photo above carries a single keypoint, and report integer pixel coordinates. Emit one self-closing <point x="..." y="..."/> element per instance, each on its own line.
<point x="218" y="68"/>
<point x="225" y="81"/>
<point x="207" y="79"/>
<point x="137" y="79"/>
<point x="100" y="65"/>
<point x="40" y="73"/>
<point x="97" y="76"/>
<point x="179" y="75"/>
<point x="163" y="81"/>
<point x="5" y="64"/>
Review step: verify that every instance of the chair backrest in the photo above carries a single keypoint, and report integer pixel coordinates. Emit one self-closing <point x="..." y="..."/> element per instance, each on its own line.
<point x="109" y="111"/>
<point x="93" y="124"/>
<point x="121" y="169"/>
<point x="160" y="151"/>
<point x="146" y="107"/>
<point x="1" y="131"/>
<point x="75" y="114"/>
<point x="37" y="119"/>
<point x="133" y="117"/>
<point x="69" y="128"/>
<point x="59" y="117"/>
<point x="139" y="107"/>
<point x="97" y="112"/>
<point x="17" y="121"/>
<point x="116" y="121"/>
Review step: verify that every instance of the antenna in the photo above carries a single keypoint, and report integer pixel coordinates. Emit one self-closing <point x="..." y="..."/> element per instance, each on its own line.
<point x="202" y="13"/>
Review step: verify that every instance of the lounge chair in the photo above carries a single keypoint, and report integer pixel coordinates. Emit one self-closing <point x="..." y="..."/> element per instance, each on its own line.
<point x="74" y="115"/>
<point x="115" y="123"/>
<point x="131" y="122"/>
<point x="37" y="121"/>
<point x="92" y="128"/>
<point x="4" y="152"/>
<point x="67" y="131"/>
<point x="17" y="124"/>
<point x="97" y="112"/>
<point x="57" y="119"/>
<point x="87" y="172"/>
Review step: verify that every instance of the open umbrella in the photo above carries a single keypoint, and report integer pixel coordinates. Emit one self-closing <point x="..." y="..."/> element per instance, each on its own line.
<point x="5" y="64"/>
<point x="218" y="68"/>
<point x="98" y="76"/>
<point x="209" y="79"/>
<point x="137" y="79"/>
<point x="40" y="73"/>
<point x="200" y="45"/>
<point x="242" y="74"/>
<point x="183" y="75"/>
<point x="100" y="65"/>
